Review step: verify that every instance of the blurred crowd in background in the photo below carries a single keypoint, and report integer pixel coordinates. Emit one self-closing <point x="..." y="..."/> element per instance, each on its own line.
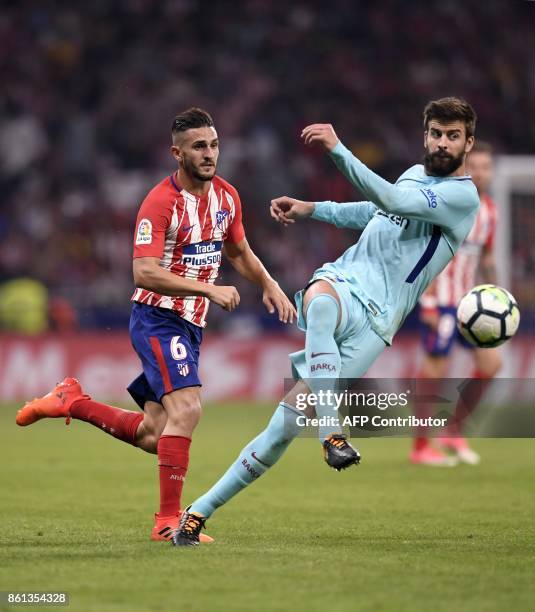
<point x="89" y="91"/>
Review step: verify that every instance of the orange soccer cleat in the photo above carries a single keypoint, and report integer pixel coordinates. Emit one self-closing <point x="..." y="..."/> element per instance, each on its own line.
<point x="53" y="405"/>
<point x="165" y="527"/>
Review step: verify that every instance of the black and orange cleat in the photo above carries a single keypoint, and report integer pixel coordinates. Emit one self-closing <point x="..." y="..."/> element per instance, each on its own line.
<point x="166" y="526"/>
<point x="189" y="530"/>
<point x="53" y="405"/>
<point x="338" y="453"/>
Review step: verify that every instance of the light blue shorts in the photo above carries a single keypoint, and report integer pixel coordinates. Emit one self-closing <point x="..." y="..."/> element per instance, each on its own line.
<point x="359" y="345"/>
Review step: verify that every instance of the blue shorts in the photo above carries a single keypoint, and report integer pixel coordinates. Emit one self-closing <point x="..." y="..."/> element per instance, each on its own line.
<point x="439" y="342"/>
<point x="358" y="344"/>
<point x="168" y="347"/>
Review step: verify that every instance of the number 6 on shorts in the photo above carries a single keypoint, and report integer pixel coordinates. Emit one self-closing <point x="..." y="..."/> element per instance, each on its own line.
<point x="178" y="350"/>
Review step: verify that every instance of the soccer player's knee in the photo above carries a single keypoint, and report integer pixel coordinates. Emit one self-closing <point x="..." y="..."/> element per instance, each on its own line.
<point x="152" y="428"/>
<point x="322" y="314"/>
<point x="150" y="444"/>
<point x="154" y="421"/>
<point x="187" y="409"/>
<point x="192" y="409"/>
<point x="148" y="434"/>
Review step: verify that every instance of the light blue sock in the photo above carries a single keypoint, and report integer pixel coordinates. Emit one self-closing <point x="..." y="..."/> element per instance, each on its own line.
<point x="257" y="457"/>
<point x="323" y="356"/>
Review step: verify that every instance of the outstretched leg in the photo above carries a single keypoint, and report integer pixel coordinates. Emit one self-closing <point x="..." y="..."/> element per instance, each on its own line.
<point x="164" y="430"/>
<point x="67" y="400"/>
<point x="253" y="461"/>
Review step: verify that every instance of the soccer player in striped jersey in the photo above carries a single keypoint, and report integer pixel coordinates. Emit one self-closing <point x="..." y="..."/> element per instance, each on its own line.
<point x="352" y="308"/>
<point x="184" y="225"/>
<point x="438" y="306"/>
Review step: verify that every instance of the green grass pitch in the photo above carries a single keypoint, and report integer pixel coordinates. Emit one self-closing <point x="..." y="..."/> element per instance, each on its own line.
<point x="76" y="511"/>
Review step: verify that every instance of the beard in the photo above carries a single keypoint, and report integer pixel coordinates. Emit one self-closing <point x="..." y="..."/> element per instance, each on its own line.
<point x="441" y="164"/>
<point x="201" y="173"/>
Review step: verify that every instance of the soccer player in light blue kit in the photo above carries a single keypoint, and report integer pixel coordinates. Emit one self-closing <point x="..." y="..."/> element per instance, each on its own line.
<point x="352" y="308"/>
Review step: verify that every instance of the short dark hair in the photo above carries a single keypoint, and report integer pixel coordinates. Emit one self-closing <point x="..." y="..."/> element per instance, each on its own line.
<point x="482" y="146"/>
<point x="191" y="118"/>
<point x="451" y="109"/>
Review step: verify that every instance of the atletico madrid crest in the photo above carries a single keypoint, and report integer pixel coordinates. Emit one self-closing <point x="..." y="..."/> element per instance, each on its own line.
<point x="220" y="216"/>
<point x="183" y="369"/>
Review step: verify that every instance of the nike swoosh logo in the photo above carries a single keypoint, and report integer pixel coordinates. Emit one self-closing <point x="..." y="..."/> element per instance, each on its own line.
<point x="188" y="228"/>
<point x="253" y="455"/>
<point x="314" y="355"/>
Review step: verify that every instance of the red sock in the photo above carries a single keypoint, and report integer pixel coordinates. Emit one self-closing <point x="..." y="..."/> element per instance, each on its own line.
<point x="468" y="401"/>
<point x="422" y="411"/>
<point x="173" y="459"/>
<point x="419" y="443"/>
<point x="121" y="424"/>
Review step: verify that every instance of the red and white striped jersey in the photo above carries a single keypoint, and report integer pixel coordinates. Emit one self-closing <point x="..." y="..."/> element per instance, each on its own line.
<point x="186" y="232"/>
<point x="459" y="276"/>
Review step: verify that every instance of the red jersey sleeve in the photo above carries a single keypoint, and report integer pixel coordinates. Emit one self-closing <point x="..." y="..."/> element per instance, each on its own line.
<point x="152" y="221"/>
<point x="235" y="231"/>
<point x="493" y="220"/>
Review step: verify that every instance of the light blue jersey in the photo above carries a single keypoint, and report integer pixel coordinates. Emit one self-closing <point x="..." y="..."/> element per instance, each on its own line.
<point x="411" y="231"/>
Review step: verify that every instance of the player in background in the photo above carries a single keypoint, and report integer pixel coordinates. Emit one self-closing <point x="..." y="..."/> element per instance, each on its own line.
<point x="184" y="224"/>
<point x="352" y="308"/>
<point x="438" y="306"/>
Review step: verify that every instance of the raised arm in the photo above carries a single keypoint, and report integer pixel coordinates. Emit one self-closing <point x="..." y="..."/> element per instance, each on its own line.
<point x="440" y="205"/>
